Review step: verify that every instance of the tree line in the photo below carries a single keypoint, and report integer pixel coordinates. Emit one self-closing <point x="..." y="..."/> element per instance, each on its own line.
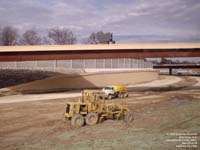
<point x="10" y="36"/>
<point x="172" y="61"/>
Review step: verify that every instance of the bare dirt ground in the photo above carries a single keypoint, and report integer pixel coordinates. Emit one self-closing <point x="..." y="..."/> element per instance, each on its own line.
<point x="157" y="115"/>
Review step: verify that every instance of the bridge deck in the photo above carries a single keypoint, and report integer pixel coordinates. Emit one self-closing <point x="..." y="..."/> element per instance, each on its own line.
<point x="52" y="52"/>
<point x="79" y="47"/>
<point x="177" y="66"/>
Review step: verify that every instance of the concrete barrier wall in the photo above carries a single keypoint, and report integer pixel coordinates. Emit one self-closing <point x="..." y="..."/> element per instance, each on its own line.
<point x="82" y="81"/>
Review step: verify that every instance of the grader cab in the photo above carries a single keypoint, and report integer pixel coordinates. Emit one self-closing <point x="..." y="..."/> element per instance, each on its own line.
<point x="91" y="109"/>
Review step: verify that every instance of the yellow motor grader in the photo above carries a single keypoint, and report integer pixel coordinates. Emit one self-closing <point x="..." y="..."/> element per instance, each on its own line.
<point x="91" y="109"/>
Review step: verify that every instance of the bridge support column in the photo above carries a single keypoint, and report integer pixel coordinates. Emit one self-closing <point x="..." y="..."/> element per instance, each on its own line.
<point x="170" y="71"/>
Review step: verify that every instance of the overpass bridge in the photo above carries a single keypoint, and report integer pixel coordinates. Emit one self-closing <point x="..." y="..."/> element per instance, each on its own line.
<point x="176" y="66"/>
<point x="64" y="52"/>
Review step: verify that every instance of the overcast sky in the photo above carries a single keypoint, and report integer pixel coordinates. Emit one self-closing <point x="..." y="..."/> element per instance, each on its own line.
<point x="176" y="18"/>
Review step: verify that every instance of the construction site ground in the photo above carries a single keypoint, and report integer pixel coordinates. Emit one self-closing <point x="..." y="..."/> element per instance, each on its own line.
<point x="162" y="109"/>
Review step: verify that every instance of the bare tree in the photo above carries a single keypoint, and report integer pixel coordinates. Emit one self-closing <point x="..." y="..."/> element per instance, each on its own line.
<point x="46" y="40"/>
<point x="8" y="36"/>
<point x="62" y="36"/>
<point x="101" y="38"/>
<point x="165" y="61"/>
<point x="30" y="37"/>
<point x="93" y="39"/>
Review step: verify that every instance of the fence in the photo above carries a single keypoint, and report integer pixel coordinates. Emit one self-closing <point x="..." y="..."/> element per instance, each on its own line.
<point x="78" y="64"/>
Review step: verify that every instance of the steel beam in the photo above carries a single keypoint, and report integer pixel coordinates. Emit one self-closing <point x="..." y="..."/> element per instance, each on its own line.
<point x="96" y="54"/>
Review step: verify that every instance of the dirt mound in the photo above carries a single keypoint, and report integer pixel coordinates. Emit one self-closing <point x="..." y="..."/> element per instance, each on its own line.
<point x="87" y="80"/>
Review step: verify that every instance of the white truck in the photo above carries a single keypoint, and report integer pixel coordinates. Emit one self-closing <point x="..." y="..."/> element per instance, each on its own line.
<point x="114" y="91"/>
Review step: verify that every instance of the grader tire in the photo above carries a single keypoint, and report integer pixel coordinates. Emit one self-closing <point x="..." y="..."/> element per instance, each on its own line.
<point x="77" y="120"/>
<point x="92" y="118"/>
<point x="129" y="117"/>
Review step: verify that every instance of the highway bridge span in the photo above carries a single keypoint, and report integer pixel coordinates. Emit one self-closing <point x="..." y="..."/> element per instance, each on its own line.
<point x="99" y="51"/>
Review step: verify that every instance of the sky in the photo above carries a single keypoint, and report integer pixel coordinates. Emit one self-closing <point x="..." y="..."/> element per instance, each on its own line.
<point x="150" y="20"/>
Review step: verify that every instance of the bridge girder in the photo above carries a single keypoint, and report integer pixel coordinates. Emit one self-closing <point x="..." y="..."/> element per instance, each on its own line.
<point x="28" y="53"/>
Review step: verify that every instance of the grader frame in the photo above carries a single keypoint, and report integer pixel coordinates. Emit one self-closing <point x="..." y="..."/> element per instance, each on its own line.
<point x="91" y="109"/>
